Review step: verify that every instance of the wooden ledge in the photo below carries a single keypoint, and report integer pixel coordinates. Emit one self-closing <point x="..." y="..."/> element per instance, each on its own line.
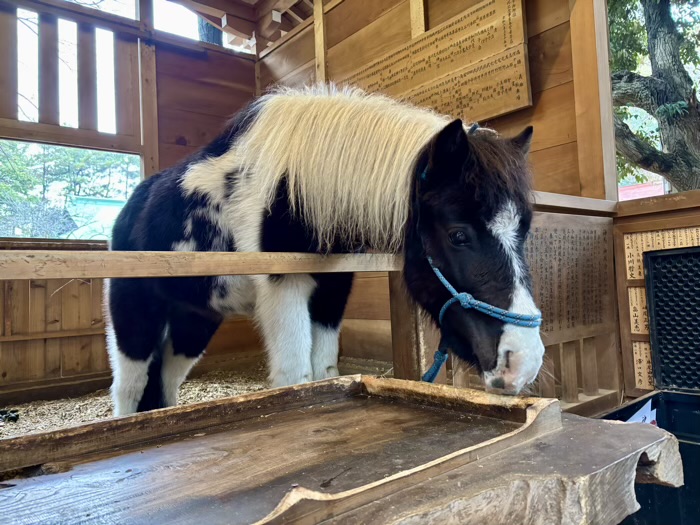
<point x="22" y="264"/>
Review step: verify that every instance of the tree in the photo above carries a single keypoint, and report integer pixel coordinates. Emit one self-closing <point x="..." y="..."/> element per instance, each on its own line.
<point x="666" y="33"/>
<point x="39" y="183"/>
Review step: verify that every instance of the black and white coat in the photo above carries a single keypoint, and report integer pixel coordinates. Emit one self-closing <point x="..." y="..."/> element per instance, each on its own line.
<point x="313" y="170"/>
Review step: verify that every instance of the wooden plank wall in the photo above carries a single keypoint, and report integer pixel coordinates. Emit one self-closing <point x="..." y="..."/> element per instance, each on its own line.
<point x="197" y="92"/>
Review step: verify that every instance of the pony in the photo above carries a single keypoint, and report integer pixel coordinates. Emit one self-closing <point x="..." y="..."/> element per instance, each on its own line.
<point x="328" y="169"/>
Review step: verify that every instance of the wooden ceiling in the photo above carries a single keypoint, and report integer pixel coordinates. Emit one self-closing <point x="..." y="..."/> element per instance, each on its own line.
<point x="252" y="24"/>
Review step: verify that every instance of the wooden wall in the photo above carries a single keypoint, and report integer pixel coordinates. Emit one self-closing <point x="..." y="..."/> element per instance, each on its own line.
<point x="573" y="151"/>
<point x="197" y="92"/>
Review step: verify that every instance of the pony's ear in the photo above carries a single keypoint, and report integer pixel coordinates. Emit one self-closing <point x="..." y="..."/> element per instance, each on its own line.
<point x="450" y="148"/>
<point x="451" y="141"/>
<point x="523" y="140"/>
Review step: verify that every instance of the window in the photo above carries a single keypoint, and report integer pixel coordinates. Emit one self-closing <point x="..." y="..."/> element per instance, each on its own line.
<point x="56" y="192"/>
<point x="655" y="123"/>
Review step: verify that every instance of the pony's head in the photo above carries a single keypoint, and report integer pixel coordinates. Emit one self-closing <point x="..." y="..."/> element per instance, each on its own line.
<point x="470" y="216"/>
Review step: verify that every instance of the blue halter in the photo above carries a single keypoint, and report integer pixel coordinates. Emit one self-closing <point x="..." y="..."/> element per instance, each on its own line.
<point x="467" y="301"/>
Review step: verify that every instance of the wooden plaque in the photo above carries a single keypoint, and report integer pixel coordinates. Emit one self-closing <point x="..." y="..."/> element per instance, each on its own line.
<point x="474" y="65"/>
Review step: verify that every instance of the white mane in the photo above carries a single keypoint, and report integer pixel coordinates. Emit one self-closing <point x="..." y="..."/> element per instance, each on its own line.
<point x="348" y="157"/>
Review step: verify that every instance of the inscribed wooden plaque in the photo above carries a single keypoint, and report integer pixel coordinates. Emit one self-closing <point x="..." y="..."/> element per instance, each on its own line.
<point x="643" y="375"/>
<point x="474" y="65"/>
<point x="571" y="260"/>
<point x="639" y="314"/>
<point x="638" y="243"/>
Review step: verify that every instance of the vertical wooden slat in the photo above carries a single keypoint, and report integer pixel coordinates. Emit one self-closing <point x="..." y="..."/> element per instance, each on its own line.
<point x="569" y="380"/>
<point x="589" y="367"/>
<point x="460" y="374"/>
<point x="149" y="109"/>
<point x="593" y="99"/>
<point x="36" y="349"/>
<point x="88" y="361"/>
<point x="19" y="301"/>
<point x="547" y="378"/>
<point x="97" y="308"/>
<point x="126" y="90"/>
<point x="405" y="343"/>
<point x="53" y="306"/>
<point x="70" y="320"/>
<point x="8" y="61"/>
<point x="87" y="77"/>
<point x="320" y="41"/>
<point x="48" y="69"/>
<point x="7" y="308"/>
<point x="419" y="18"/>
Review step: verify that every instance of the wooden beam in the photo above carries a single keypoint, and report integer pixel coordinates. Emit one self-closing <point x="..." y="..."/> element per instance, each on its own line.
<point x="265" y="6"/>
<point x="55" y="264"/>
<point x="48" y="69"/>
<point x="593" y="99"/>
<point x="145" y="13"/>
<point x="419" y="18"/>
<point x="320" y="41"/>
<point x="8" y="61"/>
<point x="218" y="8"/>
<point x="81" y="138"/>
<point x="150" y="163"/>
<point x="269" y="24"/>
<point x="237" y="26"/>
<point x="295" y="14"/>
<point x="87" y="77"/>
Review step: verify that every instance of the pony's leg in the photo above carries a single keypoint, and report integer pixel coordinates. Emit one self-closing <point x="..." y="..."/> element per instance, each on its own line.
<point x="189" y="335"/>
<point x="135" y="325"/>
<point x="327" y="306"/>
<point x="282" y="312"/>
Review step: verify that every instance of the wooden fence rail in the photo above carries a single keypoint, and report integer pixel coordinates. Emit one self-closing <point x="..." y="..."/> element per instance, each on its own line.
<point x="22" y="264"/>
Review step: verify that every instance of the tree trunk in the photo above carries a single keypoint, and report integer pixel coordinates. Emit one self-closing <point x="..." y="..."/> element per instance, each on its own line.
<point x="208" y="33"/>
<point x="669" y="96"/>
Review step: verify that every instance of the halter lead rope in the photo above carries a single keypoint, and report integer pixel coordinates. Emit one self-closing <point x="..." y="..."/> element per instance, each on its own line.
<point x="467" y="301"/>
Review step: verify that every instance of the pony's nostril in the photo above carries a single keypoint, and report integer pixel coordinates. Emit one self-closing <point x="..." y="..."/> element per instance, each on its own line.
<point x="508" y="354"/>
<point x="498" y="382"/>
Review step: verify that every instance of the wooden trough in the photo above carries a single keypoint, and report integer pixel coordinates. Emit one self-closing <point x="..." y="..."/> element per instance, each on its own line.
<point x="348" y="450"/>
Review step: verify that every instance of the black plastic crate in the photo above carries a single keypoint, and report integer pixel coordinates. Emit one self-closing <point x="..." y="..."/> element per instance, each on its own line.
<point x="672" y="280"/>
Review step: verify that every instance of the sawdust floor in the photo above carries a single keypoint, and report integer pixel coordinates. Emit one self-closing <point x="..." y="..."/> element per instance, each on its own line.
<point x="42" y="416"/>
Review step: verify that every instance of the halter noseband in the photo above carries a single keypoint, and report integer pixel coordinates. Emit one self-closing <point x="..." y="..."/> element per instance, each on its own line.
<point x="467" y="301"/>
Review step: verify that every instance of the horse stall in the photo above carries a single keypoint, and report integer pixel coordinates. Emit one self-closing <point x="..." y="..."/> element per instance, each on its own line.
<point x="406" y="433"/>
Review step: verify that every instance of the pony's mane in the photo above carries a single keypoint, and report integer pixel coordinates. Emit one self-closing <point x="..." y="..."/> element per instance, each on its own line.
<point x="348" y="157"/>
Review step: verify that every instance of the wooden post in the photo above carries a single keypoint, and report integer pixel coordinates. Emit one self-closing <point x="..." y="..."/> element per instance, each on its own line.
<point x="419" y="18"/>
<point x="569" y="373"/>
<point x="320" y="41"/>
<point x="8" y="62"/>
<point x="87" y="77"/>
<point x="48" y="69"/>
<point x="593" y="99"/>
<point x="149" y="109"/>
<point x="406" y="341"/>
<point x="589" y="367"/>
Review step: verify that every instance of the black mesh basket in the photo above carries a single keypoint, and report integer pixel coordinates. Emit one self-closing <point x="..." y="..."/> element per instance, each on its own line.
<point x="673" y="299"/>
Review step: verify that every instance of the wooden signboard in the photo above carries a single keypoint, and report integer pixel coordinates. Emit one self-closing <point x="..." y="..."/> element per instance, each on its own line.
<point x="474" y="65"/>
<point x="633" y="300"/>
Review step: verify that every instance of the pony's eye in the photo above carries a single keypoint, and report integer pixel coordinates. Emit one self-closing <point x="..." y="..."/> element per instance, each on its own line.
<point x="458" y="238"/>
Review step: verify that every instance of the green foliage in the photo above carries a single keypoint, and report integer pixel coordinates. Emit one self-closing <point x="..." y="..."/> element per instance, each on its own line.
<point x="38" y="182"/>
<point x="629" y="51"/>
<point x="673" y="110"/>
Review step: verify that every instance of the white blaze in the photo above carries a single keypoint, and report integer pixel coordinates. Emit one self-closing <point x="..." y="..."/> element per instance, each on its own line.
<point x="522" y="365"/>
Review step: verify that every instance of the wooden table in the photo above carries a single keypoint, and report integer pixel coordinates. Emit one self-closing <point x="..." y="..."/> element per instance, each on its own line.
<point x="348" y="450"/>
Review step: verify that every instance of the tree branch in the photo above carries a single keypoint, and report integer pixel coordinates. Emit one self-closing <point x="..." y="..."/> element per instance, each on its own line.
<point x="631" y="89"/>
<point x="639" y="152"/>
